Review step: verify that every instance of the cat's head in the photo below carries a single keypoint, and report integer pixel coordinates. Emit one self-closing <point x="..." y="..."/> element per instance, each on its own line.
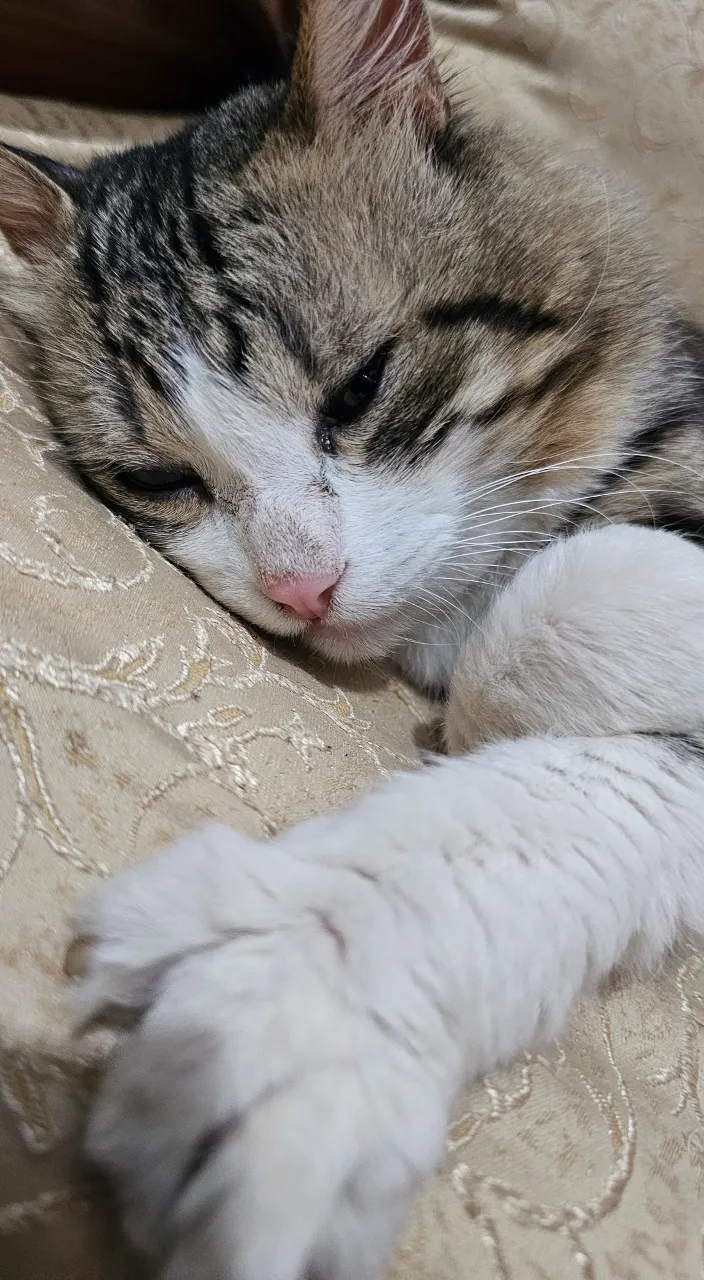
<point x="315" y="345"/>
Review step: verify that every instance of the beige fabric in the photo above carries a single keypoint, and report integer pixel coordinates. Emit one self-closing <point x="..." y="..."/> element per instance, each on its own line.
<point x="621" y="81"/>
<point x="131" y="707"/>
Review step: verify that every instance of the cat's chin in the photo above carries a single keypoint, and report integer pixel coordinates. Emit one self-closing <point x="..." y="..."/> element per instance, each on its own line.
<point x="350" y="642"/>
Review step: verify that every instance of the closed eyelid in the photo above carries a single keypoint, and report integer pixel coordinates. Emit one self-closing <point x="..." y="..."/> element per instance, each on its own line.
<point x="161" y="482"/>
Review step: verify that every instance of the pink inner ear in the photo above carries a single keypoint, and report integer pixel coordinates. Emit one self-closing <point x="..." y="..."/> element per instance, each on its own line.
<point x="400" y="46"/>
<point x="357" y="51"/>
<point x="397" y="39"/>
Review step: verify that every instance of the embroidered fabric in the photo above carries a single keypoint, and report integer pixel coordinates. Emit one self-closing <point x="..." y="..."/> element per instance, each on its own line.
<point x="132" y="707"/>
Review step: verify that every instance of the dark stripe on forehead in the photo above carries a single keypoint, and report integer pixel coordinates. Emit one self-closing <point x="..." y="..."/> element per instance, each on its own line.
<point x="201" y="237"/>
<point x="199" y="226"/>
<point x="294" y="337"/>
<point x="494" y="311"/>
<point x="236" y="342"/>
<point x="91" y="259"/>
<point x="171" y="264"/>
<point x="233" y="303"/>
<point x="93" y="270"/>
<point x="147" y="370"/>
<point x="121" y="389"/>
<point x="98" y="261"/>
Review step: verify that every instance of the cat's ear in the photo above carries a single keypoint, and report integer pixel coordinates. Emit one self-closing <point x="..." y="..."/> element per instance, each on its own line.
<point x="353" y="55"/>
<point x="37" y="206"/>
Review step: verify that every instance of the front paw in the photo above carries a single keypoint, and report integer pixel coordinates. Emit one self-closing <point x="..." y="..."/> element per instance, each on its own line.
<point x="271" y="1115"/>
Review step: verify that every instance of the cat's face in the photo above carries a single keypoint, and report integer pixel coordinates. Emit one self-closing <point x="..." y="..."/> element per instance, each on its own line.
<point x="308" y="361"/>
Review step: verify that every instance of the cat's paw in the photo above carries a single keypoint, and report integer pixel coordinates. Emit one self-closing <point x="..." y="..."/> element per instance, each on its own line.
<point x="272" y="1112"/>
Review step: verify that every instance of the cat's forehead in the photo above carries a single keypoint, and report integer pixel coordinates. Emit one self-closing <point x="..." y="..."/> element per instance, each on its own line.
<point x="312" y="231"/>
<point x="374" y="226"/>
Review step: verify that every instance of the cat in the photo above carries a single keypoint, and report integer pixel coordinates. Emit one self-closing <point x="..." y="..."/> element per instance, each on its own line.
<point x="391" y="382"/>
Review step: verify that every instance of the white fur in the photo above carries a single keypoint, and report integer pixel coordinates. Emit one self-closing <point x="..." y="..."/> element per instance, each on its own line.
<point x="416" y="549"/>
<point x="282" y="508"/>
<point x="314" y="1002"/>
<point x="419" y="551"/>
<point x="600" y="633"/>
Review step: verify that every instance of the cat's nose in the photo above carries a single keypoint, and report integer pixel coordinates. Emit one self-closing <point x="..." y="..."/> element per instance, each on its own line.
<point x="308" y="597"/>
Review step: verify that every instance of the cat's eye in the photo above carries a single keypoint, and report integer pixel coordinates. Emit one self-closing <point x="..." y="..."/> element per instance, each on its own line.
<point x="351" y="400"/>
<point x="160" y="481"/>
<point x="360" y="390"/>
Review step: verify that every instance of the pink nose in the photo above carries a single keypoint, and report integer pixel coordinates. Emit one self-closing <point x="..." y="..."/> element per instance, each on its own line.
<point x="308" y="597"/>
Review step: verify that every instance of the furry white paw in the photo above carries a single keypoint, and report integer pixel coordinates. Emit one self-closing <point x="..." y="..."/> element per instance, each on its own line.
<point x="272" y="1112"/>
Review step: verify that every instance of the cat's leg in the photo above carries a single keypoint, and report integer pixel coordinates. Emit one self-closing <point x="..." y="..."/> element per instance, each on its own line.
<point x="307" y="1007"/>
<point x="601" y="633"/>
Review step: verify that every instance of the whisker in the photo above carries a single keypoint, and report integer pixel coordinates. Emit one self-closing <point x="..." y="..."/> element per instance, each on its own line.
<point x="577" y="463"/>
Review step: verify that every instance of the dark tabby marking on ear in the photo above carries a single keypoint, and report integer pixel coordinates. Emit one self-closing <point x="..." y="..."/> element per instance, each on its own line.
<point x="497" y="312"/>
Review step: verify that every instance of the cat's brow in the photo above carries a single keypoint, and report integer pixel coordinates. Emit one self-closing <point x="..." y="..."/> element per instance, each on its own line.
<point x="293" y="335"/>
<point x="496" y="312"/>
